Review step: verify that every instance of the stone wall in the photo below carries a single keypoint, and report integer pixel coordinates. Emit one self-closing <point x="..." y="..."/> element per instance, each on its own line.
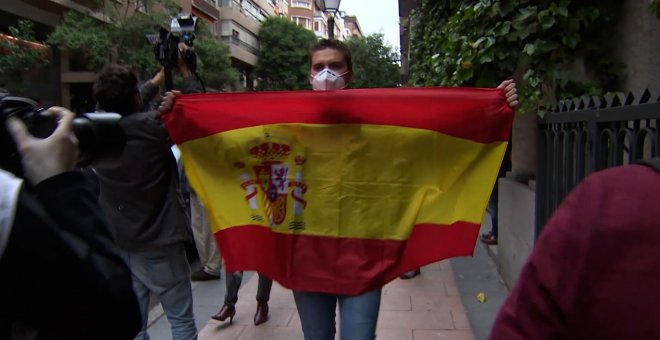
<point x="516" y="216"/>
<point x="636" y="43"/>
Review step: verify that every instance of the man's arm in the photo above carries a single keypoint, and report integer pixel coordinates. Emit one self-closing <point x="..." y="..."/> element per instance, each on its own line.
<point x="151" y="88"/>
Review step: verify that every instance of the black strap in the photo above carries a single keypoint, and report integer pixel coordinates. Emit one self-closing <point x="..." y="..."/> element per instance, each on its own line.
<point x="652" y="162"/>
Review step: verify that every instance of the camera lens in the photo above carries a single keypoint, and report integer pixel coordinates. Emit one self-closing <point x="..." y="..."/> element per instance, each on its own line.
<point x="100" y="137"/>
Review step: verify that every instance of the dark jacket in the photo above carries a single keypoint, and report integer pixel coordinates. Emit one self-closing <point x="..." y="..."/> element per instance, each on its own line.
<point x="141" y="197"/>
<point x="595" y="271"/>
<point x="61" y="274"/>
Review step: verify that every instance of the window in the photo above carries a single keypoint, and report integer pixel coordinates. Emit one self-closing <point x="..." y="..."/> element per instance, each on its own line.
<point x="253" y="11"/>
<point x="301" y="4"/>
<point x="303" y="22"/>
<point x="317" y="26"/>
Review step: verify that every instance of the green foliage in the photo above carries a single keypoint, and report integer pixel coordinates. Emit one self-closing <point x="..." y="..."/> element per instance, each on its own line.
<point x="283" y="61"/>
<point x="482" y="42"/>
<point x="119" y="39"/>
<point x="654" y="7"/>
<point x="19" y="59"/>
<point x="375" y="64"/>
<point x="214" y="64"/>
<point x="83" y="35"/>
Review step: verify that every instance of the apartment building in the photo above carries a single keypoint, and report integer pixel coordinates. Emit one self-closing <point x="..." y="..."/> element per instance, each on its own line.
<point x="306" y="14"/>
<point x="352" y="27"/>
<point x="238" y="26"/>
<point x="62" y="82"/>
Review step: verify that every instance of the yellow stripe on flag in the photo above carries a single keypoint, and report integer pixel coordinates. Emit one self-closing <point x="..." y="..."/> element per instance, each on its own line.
<point x="341" y="180"/>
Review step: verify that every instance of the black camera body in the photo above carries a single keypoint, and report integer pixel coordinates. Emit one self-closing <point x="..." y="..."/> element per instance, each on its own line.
<point x="100" y="138"/>
<point x="166" y="44"/>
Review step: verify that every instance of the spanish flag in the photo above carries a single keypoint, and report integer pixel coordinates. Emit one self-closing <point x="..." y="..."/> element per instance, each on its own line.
<point x="342" y="191"/>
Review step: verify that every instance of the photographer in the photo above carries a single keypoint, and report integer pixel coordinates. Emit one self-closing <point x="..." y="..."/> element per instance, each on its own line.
<point x="140" y="197"/>
<point x="60" y="274"/>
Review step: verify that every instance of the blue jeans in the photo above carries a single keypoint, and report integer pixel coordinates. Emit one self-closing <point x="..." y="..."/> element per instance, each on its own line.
<point x="165" y="273"/>
<point x="358" y="315"/>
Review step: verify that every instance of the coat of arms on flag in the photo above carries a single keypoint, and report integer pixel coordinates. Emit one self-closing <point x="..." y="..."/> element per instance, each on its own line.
<point x="268" y="183"/>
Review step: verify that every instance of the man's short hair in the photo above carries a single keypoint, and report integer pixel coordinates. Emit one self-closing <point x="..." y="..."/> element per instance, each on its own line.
<point x="115" y="89"/>
<point x="333" y="44"/>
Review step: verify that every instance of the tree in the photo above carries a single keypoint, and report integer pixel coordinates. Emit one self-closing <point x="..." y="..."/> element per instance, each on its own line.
<point x="214" y="65"/>
<point x="481" y="42"/>
<point x="20" y="57"/>
<point x="121" y="39"/>
<point x="375" y="64"/>
<point x="283" y="61"/>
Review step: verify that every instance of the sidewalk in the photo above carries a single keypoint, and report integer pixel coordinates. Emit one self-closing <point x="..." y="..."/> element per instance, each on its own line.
<point x="439" y="304"/>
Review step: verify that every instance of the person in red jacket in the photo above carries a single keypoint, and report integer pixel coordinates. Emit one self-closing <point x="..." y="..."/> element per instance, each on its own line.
<point x="594" y="272"/>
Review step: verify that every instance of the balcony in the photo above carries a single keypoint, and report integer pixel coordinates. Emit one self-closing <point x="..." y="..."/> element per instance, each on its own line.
<point x="241" y="50"/>
<point x="207" y="8"/>
<point x="239" y="16"/>
<point x="238" y="42"/>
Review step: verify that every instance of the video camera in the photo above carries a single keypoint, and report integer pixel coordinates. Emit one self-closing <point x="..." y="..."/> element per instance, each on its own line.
<point x="100" y="138"/>
<point x="166" y="44"/>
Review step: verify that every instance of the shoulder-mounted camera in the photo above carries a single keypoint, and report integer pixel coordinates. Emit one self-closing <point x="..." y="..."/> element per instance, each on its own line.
<point x="166" y="42"/>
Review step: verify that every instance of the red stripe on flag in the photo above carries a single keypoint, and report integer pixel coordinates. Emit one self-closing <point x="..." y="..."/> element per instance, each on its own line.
<point x="341" y="265"/>
<point x="436" y="109"/>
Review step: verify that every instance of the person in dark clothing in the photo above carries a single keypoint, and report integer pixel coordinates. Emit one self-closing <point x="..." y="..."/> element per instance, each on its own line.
<point x="594" y="272"/>
<point x="61" y="276"/>
<point x="233" y="283"/>
<point x="141" y="199"/>
<point x="491" y="236"/>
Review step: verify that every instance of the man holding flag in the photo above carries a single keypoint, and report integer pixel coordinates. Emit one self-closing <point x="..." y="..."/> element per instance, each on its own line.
<point x="362" y="210"/>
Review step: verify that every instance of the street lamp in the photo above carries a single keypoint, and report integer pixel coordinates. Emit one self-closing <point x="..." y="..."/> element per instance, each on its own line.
<point x="332" y="7"/>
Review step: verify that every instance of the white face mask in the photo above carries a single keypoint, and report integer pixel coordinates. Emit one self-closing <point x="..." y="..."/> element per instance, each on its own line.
<point x="328" y="80"/>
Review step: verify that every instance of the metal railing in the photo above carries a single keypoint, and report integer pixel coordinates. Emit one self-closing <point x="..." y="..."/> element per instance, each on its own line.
<point x="238" y="42"/>
<point x="581" y="136"/>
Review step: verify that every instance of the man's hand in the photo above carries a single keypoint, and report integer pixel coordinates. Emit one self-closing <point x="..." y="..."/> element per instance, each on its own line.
<point x="509" y="87"/>
<point x="158" y="78"/>
<point x="181" y="64"/>
<point x="168" y="101"/>
<point x="44" y="158"/>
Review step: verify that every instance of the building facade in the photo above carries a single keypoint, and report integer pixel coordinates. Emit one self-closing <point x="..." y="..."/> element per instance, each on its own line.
<point x="352" y="27"/>
<point x="238" y="25"/>
<point x="306" y="14"/>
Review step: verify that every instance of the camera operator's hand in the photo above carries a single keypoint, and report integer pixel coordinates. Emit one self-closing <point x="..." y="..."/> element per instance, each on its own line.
<point x="181" y="63"/>
<point x="44" y="158"/>
<point x="168" y="101"/>
<point x="158" y="78"/>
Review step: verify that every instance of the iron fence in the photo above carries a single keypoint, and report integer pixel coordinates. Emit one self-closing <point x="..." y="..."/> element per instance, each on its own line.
<point x="581" y="136"/>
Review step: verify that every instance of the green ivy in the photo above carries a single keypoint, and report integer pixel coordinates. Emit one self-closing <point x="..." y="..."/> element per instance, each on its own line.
<point x="482" y="42"/>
